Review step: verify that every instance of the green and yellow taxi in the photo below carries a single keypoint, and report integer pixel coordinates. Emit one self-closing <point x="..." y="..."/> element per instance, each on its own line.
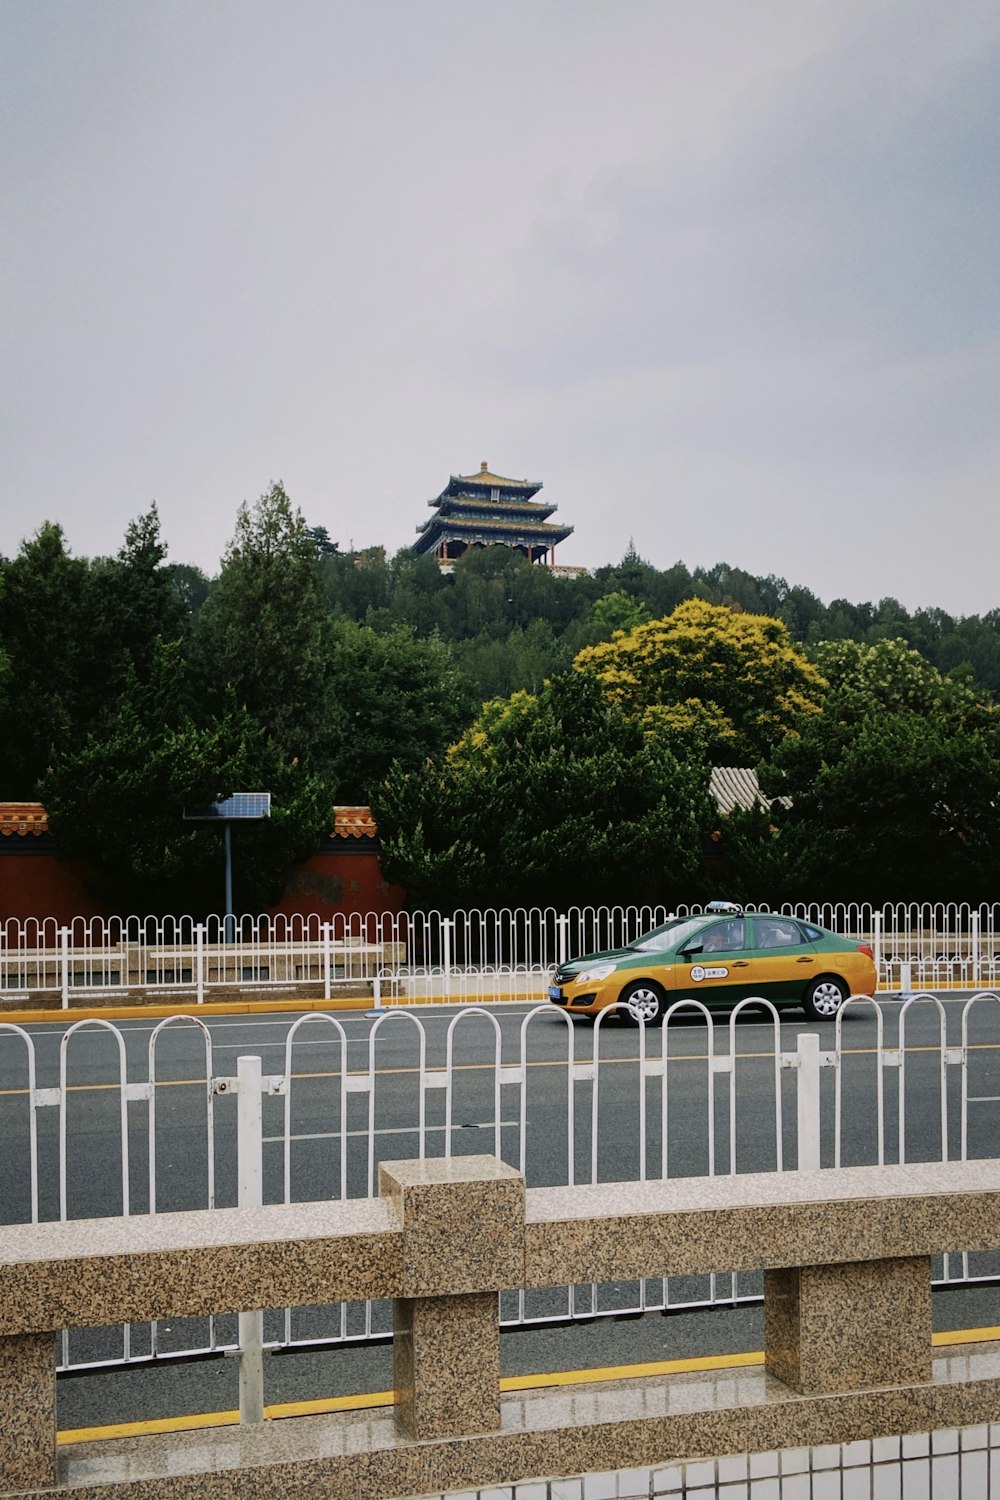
<point x="719" y="957"/>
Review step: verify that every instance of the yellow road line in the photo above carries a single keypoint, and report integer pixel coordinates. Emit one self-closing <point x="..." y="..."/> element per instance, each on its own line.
<point x="377" y="1399"/>
<point x="555" y="1062"/>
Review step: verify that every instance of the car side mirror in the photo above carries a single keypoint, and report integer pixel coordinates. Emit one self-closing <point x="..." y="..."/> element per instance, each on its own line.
<point x="689" y="952"/>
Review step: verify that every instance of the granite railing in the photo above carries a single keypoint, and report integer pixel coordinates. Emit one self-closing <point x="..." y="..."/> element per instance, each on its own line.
<point x="847" y="1262"/>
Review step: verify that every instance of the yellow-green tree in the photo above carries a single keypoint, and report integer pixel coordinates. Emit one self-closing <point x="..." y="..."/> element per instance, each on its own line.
<point x="730" y="683"/>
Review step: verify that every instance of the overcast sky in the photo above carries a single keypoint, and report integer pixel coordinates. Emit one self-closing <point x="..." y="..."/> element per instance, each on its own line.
<point x="722" y="273"/>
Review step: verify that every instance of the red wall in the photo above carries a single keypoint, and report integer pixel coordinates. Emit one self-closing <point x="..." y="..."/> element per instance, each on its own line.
<point x="344" y="879"/>
<point x="34" y="883"/>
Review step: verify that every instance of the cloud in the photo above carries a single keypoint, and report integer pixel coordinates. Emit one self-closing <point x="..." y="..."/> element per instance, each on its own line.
<point x="716" y="272"/>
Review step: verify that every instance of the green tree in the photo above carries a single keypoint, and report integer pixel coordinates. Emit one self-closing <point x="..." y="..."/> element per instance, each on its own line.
<point x="892" y="790"/>
<point x="261" y="637"/>
<point x="555" y="798"/>
<point x="55" y="687"/>
<point x="618" y="611"/>
<point x="393" y="698"/>
<point x="190" y="586"/>
<point x="116" y="802"/>
<point x="73" y="630"/>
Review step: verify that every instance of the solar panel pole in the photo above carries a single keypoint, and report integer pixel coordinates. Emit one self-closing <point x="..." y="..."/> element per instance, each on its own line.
<point x="228" y="827"/>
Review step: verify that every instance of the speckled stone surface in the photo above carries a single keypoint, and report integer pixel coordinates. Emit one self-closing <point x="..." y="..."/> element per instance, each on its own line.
<point x="847" y="1328"/>
<point x="358" y="1456"/>
<point x="448" y="1235"/>
<point x="27" y="1411"/>
<point x="463" y="1223"/>
<point x="446" y="1364"/>
<point x="96" y="1271"/>
<point x="773" y="1220"/>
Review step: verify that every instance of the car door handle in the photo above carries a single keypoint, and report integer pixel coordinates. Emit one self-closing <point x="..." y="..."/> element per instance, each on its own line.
<point x="805" y="960"/>
<point x="741" y="963"/>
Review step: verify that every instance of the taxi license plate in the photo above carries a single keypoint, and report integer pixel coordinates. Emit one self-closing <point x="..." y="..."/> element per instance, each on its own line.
<point x="555" y="993"/>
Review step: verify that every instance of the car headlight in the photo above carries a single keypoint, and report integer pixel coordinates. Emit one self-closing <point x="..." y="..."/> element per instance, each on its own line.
<point x="596" y="974"/>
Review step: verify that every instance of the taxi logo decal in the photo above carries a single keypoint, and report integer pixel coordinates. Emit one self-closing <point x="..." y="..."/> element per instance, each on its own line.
<point x="699" y="973"/>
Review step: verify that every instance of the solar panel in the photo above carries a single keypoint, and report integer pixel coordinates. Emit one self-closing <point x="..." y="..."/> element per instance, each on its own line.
<point x="239" y="805"/>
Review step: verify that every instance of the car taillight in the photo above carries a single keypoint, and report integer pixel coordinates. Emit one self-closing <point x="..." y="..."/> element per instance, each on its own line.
<point x="870" y="952"/>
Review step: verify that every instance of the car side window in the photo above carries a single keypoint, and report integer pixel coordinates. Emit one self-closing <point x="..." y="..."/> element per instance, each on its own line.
<point x="724" y="937"/>
<point x="776" y="932"/>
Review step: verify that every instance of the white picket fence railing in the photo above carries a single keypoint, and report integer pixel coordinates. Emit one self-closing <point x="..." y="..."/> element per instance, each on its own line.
<point x="704" y="1095"/>
<point x="408" y="958"/>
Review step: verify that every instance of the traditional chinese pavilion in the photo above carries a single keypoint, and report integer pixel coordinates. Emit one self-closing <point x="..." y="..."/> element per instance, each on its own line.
<point x="486" y="510"/>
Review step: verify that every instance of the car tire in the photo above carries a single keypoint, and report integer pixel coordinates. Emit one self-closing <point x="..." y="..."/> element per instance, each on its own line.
<point x="648" y="1000"/>
<point x="824" y="997"/>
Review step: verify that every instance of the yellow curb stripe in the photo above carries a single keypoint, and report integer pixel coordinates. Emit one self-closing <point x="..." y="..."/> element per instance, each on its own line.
<point x="377" y="1399"/>
<point x="188" y="1008"/>
<point x="966" y="1336"/>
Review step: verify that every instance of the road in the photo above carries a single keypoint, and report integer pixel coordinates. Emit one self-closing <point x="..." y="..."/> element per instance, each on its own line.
<point x="324" y="1156"/>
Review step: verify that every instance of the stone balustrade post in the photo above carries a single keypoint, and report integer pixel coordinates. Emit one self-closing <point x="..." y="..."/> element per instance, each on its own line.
<point x="849" y="1327"/>
<point x="463" y="1243"/>
<point x="28" y="1404"/>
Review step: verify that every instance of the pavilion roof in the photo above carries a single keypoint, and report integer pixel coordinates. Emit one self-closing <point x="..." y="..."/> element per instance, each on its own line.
<point x="492" y="523"/>
<point x="487" y="480"/>
<point x="507" y="504"/>
<point x="486" y="476"/>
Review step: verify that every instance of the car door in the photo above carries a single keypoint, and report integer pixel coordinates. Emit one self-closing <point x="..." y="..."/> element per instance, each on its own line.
<point x="784" y="961"/>
<point x="716" y="965"/>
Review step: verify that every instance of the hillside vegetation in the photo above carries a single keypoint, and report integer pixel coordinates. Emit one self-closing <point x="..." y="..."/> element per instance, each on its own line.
<point x="522" y="737"/>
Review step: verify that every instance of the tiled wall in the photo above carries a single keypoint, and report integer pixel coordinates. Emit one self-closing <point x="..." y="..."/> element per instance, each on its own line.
<point x="955" y="1464"/>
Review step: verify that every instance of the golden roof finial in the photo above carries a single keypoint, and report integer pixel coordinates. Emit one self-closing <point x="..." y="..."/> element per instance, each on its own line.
<point x="484" y="467"/>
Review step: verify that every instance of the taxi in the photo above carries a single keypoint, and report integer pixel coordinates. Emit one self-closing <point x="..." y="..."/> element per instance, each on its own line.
<point x="719" y="957"/>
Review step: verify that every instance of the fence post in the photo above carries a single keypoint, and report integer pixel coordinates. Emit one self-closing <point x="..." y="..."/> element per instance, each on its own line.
<point x="877" y="944"/>
<point x="562" y="928"/>
<point x="250" y="1194"/>
<point x="326" y="960"/>
<point x="199" y="959"/>
<point x="446" y="926"/>
<point x="64" y="965"/>
<point x="974" y="943"/>
<point x="807" y="1102"/>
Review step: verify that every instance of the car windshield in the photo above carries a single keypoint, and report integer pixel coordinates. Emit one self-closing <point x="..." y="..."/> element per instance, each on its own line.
<point x="673" y="934"/>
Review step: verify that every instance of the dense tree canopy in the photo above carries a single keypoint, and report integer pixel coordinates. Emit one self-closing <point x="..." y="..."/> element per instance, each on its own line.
<point x="130" y="686"/>
<point x="394" y="698"/>
<point x="72" y="630"/>
<point x="731" y="681"/>
<point x="555" y="799"/>
<point x="893" y="791"/>
<point x="263" y="631"/>
<point x="116" y="801"/>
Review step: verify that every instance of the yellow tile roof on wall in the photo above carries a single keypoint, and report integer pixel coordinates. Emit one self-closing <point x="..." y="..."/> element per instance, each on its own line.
<point x="22" y="818"/>
<point x="353" y="823"/>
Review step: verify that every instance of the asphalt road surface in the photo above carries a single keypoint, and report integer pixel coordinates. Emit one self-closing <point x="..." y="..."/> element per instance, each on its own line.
<point x="318" y="1169"/>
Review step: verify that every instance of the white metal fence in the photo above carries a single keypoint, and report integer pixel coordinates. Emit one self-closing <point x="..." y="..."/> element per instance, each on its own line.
<point x="408" y="958"/>
<point x="704" y="1095"/>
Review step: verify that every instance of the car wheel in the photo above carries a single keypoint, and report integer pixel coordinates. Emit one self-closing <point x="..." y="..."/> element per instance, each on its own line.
<point x="643" y="1000"/>
<point x="824" y="997"/>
